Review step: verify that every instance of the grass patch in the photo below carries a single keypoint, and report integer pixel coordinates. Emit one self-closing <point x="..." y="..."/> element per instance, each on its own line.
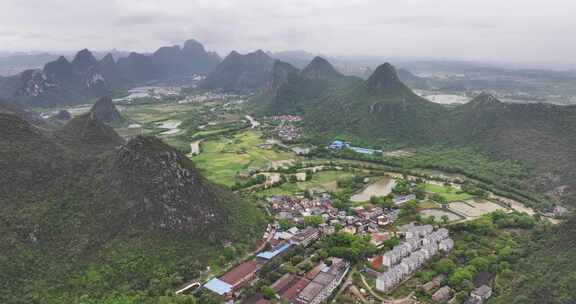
<point x="221" y="159"/>
<point x="449" y="193"/>
<point x="323" y="179"/>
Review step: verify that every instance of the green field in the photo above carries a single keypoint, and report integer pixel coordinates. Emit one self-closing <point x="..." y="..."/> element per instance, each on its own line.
<point x="221" y="159"/>
<point x="449" y="193"/>
<point x="148" y="113"/>
<point x="324" y="179"/>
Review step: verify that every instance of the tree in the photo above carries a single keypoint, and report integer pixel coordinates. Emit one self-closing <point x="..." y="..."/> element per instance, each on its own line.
<point x="444" y="266"/>
<point x="284" y="224"/>
<point x="480" y="263"/>
<point x="445" y="219"/>
<point x="420" y="192"/>
<point x="268" y="293"/>
<point x="381" y="201"/>
<point x="348" y="246"/>
<point x="409" y="208"/>
<point x="402" y="187"/>
<point x="461" y="277"/>
<point x="313" y="220"/>
<point x="440" y="199"/>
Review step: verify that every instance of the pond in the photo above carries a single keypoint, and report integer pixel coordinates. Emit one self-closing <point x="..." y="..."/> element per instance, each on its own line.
<point x="381" y="187"/>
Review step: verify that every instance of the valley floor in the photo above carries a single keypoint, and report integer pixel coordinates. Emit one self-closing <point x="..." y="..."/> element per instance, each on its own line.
<point x="314" y="194"/>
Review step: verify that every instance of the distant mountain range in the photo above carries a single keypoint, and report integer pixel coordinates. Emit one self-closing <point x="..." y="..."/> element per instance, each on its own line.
<point x="290" y="90"/>
<point x="63" y="82"/>
<point x="239" y="72"/>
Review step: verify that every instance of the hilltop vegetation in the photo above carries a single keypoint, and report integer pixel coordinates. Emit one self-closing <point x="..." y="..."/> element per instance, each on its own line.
<point x="546" y="273"/>
<point x="102" y="220"/>
<point x="290" y="91"/>
<point x="384" y="111"/>
<point x="381" y="108"/>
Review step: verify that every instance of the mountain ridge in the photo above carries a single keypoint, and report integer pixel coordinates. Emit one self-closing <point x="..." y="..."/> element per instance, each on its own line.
<point x="383" y="110"/>
<point x="92" y="204"/>
<point x="239" y="72"/>
<point x="291" y="91"/>
<point x="63" y="82"/>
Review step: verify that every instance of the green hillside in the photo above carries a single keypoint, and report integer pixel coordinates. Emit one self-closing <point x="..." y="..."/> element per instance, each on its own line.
<point x="382" y="109"/>
<point x="129" y="221"/>
<point x="547" y="271"/>
<point x="290" y="91"/>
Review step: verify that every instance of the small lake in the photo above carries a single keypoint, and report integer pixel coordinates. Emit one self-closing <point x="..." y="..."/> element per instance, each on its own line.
<point x="381" y="187"/>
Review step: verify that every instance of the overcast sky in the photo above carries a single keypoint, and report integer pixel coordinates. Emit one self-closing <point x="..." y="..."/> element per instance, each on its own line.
<point x="488" y="30"/>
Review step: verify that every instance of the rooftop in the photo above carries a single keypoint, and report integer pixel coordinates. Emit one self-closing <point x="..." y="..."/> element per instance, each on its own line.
<point x="311" y="291"/>
<point x="283" y="282"/>
<point x="295" y="289"/>
<point x="238" y="273"/>
<point x="482" y="291"/>
<point x="218" y="286"/>
<point x="274" y="252"/>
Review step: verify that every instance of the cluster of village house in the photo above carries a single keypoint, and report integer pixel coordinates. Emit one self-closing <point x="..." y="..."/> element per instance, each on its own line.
<point x="316" y="286"/>
<point x="420" y="245"/>
<point x="212" y="96"/>
<point x="288" y="118"/>
<point x="288" y="132"/>
<point x="364" y="220"/>
<point x="320" y="282"/>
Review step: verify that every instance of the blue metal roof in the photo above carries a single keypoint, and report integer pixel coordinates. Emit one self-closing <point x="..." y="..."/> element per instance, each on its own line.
<point x="271" y="254"/>
<point x="218" y="286"/>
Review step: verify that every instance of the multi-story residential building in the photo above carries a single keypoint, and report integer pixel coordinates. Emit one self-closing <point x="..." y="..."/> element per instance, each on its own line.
<point x="406" y="258"/>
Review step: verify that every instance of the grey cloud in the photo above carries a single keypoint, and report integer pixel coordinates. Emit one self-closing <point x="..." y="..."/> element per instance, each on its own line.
<point x="489" y="29"/>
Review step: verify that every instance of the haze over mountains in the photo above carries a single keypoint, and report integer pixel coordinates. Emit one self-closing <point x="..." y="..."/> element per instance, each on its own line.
<point x="239" y="72"/>
<point x="289" y="90"/>
<point x="62" y="82"/>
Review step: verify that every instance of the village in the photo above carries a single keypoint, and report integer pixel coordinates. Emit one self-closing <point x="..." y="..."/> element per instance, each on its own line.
<point x="403" y="220"/>
<point x="301" y="221"/>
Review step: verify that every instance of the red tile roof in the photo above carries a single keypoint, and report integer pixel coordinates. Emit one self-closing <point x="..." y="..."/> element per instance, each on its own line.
<point x="283" y="282"/>
<point x="292" y="292"/>
<point x="314" y="271"/>
<point x="240" y="273"/>
<point x="377" y="262"/>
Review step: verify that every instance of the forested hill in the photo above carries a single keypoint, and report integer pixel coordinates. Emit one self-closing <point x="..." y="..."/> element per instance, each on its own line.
<point x="290" y="91"/>
<point x="83" y="212"/>
<point x="383" y="110"/>
<point x="380" y="108"/>
<point x="547" y="272"/>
